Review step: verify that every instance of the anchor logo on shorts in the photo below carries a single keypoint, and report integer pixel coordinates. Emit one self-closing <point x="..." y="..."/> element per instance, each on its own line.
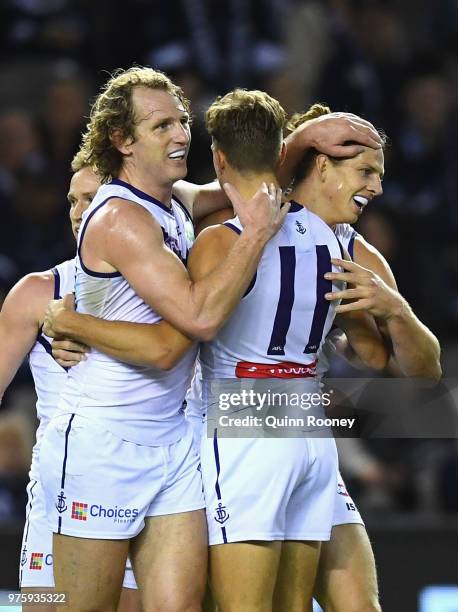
<point x="24" y="556"/>
<point x="300" y="228"/>
<point x="61" y="505"/>
<point x="221" y="514"/>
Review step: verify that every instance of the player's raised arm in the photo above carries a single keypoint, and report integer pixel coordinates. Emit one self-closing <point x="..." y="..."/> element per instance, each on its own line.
<point x="20" y="322"/>
<point x="201" y="200"/>
<point x="130" y="241"/>
<point x="334" y="134"/>
<point x="415" y="349"/>
<point x="157" y="345"/>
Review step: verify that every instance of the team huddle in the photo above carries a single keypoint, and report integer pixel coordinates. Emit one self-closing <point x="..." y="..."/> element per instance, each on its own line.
<point x="135" y="500"/>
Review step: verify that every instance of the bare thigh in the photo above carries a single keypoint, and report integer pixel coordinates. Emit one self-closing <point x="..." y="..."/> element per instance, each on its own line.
<point x="347" y="577"/>
<point x="169" y="558"/>
<point x="296" y="576"/>
<point x="37" y="607"/>
<point x="90" y="571"/>
<point x="243" y="575"/>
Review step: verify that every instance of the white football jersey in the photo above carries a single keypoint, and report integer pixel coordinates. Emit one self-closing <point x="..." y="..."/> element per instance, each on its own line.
<point x="137" y="403"/>
<point x="49" y="377"/>
<point x="277" y="329"/>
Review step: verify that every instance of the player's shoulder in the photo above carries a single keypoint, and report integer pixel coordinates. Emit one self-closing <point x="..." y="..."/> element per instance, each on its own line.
<point x="31" y="294"/>
<point x="120" y="215"/>
<point x="216" y="238"/>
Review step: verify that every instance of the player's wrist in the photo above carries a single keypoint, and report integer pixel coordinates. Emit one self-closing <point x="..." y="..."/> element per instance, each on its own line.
<point x="398" y="311"/>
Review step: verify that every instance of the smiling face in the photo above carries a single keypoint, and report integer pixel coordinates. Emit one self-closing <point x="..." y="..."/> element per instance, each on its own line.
<point x="83" y="187"/>
<point x="347" y="186"/>
<point x="162" y="136"/>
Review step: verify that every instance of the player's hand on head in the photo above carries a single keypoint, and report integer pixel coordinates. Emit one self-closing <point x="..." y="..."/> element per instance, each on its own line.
<point x="68" y="353"/>
<point x="365" y="290"/>
<point x="263" y="213"/>
<point x="55" y="310"/>
<point x="330" y="133"/>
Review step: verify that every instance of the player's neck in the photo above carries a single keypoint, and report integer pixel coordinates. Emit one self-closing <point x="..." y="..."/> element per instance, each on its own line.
<point x="308" y="194"/>
<point x="148" y="185"/>
<point x="247" y="185"/>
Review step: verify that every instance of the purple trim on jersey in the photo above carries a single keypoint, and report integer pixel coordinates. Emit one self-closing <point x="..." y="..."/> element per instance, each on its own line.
<point x="64" y="465"/>
<point x="57" y="295"/>
<point x="285" y="301"/>
<point x="185" y="210"/>
<point x="342" y="252"/>
<point x="323" y="265"/>
<point x="141" y="194"/>
<point x="26" y="529"/>
<point x="351" y="244"/>
<point x="233" y="227"/>
<point x="251" y="285"/>
<point x="83" y="232"/>
<point x="47" y="346"/>
<point x="295" y="207"/>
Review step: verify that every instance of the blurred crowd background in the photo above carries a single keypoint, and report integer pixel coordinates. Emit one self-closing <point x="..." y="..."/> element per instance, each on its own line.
<point x="392" y="62"/>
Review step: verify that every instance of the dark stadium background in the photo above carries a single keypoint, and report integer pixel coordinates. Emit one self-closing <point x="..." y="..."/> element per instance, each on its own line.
<point x="395" y="63"/>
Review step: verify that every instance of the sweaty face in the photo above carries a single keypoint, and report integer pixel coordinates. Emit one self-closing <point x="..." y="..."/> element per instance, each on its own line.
<point x="83" y="187"/>
<point x="162" y="135"/>
<point x="351" y="184"/>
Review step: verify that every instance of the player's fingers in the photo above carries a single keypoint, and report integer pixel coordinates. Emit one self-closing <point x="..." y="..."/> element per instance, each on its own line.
<point x="70" y="345"/>
<point x="347" y="264"/>
<point x="363" y="304"/>
<point x="284" y="210"/>
<point x="346" y="294"/>
<point x="68" y="356"/>
<point x="69" y="301"/>
<point x="66" y="364"/>
<point x="346" y="150"/>
<point x="348" y="277"/>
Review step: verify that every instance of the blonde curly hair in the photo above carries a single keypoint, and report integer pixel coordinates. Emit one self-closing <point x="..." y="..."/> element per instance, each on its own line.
<point x="113" y="110"/>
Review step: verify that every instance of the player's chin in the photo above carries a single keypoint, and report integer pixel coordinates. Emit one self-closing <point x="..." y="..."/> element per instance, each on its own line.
<point x="180" y="172"/>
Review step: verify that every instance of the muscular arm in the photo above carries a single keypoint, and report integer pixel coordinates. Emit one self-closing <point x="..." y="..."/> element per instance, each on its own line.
<point x="415" y="349"/>
<point x="365" y="342"/>
<point x="157" y="345"/>
<point x="20" y="320"/>
<point x="129" y="240"/>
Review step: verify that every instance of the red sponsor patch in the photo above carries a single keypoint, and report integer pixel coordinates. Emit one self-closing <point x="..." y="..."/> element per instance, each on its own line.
<point x="284" y="369"/>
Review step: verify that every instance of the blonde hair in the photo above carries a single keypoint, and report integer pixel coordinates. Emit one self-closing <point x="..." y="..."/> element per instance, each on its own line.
<point x="247" y="126"/>
<point x="79" y="161"/>
<point x="315" y="111"/>
<point x="113" y="110"/>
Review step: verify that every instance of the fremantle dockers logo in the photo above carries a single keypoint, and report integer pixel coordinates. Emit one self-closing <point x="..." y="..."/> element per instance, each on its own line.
<point x="221" y="514"/>
<point x="300" y="228"/>
<point x="61" y="505"/>
<point x="24" y="556"/>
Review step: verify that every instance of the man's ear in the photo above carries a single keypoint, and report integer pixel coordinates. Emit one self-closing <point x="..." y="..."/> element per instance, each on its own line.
<point x="120" y="142"/>
<point x="282" y="156"/>
<point x="219" y="159"/>
<point x="322" y="166"/>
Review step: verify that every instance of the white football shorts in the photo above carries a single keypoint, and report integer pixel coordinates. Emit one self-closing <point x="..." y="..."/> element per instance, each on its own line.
<point x="36" y="563"/>
<point x="269" y="489"/>
<point x="99" y="486"/>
